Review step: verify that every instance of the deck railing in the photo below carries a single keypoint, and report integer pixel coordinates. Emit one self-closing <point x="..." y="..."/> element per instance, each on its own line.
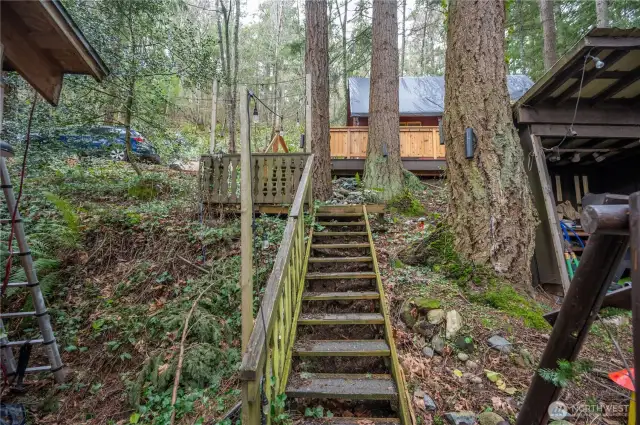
<point x="266" y="362"/>
<point x="415" y="142"/>
<point x="276" y="177"/>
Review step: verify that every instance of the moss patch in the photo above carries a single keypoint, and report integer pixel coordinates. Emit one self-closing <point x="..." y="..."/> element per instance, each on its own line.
<point x="406" y="204"/>
<point x="507" y="299"/>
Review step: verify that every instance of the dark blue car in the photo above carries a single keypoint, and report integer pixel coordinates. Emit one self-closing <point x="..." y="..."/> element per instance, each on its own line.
<point x="110" y="141"/>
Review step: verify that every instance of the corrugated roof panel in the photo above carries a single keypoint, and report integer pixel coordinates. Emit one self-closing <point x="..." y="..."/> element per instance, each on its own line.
<point x="421" y="96"/>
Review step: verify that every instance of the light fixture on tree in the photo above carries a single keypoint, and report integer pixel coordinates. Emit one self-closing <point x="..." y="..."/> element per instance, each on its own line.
<point x="385" y="153"/>
<point x="555" y="156"/>
<point x="302" y="141"/>
<point x="256" y="117"/>
<point x="470" y="141"/>
<point x="297" y="119"/>
<point x="597" y="62"/>
<point x="575" y="157"/>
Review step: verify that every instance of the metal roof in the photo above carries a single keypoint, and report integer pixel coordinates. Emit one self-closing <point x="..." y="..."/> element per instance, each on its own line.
<point x="42" y="43"/>
<point x="420" y="96"/>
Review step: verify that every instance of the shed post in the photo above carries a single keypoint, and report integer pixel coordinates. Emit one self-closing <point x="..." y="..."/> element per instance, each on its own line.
<point x="246" y="210"/>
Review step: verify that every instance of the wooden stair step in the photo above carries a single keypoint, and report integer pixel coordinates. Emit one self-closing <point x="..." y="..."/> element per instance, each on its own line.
<point x="355" y="348"/>
<point x="340" y="233"/>
<point x="339" y="245"/>
<point x="341" y="223"/>
<point x="340" y="275"/>
<point x="340" y="296"/>
<point x="341" y="215"/>
<point x="340" y="259"/>
<point x="341" y="319"/>
<point x="342" y="386"/>
<point x="349" y="421"/>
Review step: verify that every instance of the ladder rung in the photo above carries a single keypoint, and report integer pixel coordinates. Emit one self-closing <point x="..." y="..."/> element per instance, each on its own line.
<point x="8" y="221"/>
<point x="17" y="314"/>
<point x="340" y="234"/>
<point x="341" y="223"/>
<point x="342" y="296"/>
<point x="21" y="343"/>
<point x="37" y="369"/>
<point x="17" y="284"/>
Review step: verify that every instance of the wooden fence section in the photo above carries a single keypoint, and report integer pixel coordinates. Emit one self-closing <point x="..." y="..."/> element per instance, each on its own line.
<point x="270" y="347"/>
<point x="275" y="177"/>
<point x="415" y="142"/>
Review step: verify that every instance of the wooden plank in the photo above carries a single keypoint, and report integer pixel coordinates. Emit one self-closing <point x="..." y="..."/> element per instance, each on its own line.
<point x="351" y="348"/>
<point x="339" y="245"/>
<point x="338" y="214"/>
<point x="587" y="131"/>
<point x="341" y="319"/>
<point x="327" y="234"/>
<point x="343" y="386"/>
<point x="339" y="259"/>
<point x="340" y="275"/>
<point x="552" y="223"/>
<point x="233" y="172"/>
<point x="224" y="180"/>
<point x="585" y="184"/>
<point x="305" y="180"/>
<point x="340" y="223"/>
<point x="617" y="87"/>
<point x="340" y="296"/>
<point x="246" y="219"/>
<point x="598" y="266"/>
<point x="558" y="188"/>
<point x="634" y="221"/>
<point x="576" y="184"/>
<point x="336" y="420"/>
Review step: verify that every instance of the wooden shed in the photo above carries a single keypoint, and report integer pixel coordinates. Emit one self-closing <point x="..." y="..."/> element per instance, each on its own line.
<point x="42" y="43"/>
<point x="579" y="127"/>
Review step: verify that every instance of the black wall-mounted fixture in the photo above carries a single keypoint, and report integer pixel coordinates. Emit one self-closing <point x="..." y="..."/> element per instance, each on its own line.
<point x="302" y="141"/>
<point x="440" y="131"/>
<point x="384" y="150"/>
<point x="469" y="143"/>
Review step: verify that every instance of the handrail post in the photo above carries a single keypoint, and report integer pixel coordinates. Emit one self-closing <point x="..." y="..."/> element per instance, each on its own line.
<point x="246" y="250"/>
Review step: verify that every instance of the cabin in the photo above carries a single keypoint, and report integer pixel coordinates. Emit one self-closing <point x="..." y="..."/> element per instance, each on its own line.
<point x="421" y="106"/>
<point x="579" y="127"/>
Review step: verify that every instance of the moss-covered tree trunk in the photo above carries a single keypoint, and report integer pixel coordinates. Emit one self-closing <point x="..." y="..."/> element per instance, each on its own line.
<point x="317" y="64"/>
<point x="383" y="171"/>
<point x="490" y="207"/>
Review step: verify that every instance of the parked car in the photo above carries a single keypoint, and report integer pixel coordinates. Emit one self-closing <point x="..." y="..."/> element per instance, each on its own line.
<point x="109" y="141"/>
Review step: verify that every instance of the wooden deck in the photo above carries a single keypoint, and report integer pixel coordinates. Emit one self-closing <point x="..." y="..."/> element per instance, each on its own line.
<point x="419" y="142"/>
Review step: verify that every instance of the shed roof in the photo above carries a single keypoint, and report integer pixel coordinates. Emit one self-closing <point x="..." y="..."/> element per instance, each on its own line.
<point x="42" y="43"/>
<point x="420" y="96"/>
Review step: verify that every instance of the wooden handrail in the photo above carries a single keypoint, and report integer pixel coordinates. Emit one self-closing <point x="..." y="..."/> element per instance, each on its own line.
<point x="270" y="345"/>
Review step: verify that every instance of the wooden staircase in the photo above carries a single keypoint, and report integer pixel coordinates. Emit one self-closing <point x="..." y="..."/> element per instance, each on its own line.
<point x="344" y="358"/>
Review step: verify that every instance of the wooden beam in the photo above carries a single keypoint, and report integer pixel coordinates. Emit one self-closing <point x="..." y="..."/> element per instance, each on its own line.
<point x="612" y="43"/>
<point x="634" y="207"/>
<point x="246" y="211"/>
<point x="591" y="116"/>
<point x="617" y="87"/>
<point x="582" y="302"/>
<point x="620" y="298"/>
<point x="591" y="75"/>
<point x="30" y="62"/>
<point x="587" y="131"/>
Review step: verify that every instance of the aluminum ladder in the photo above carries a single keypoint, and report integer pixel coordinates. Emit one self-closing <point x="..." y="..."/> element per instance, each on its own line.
<point x="47" y="339"/>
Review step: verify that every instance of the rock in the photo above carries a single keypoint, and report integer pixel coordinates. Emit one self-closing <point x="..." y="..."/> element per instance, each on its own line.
<point x="454" y="324"/>
<point x="406" y="315"/>
<point x="476" y="380"/>
<point x="523" y="359"/>
<point x="464" y="343"/>
<point x="560" y="423"/>
<point x="428" y="352"/>
<point x="463" y="357"/>
<point x="616" y="321"/>
<point x="499" y="343"/>
<point x="437" y="343"/>
<point x="429" y="404"/>
<point x="435" y="317"/>
<point x="471" y="365"/>
<point x="459" y="418"/>
<point x="425" y="305"/>
<point x="489" y="418"/>
<point x="424" y="328"/>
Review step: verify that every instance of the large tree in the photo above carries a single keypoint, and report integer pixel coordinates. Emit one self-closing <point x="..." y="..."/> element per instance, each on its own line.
<point x="317" y="64"/>
<point x="383" y="170"/>
<point x="548" y="33"/>
<point x="490" y="207"/>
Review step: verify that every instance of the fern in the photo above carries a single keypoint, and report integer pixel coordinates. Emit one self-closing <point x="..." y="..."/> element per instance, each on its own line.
<point x="566" y="372"/>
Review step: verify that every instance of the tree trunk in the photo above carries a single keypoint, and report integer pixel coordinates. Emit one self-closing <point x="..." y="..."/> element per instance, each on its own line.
<point x="602" y="13"/>
<point x="404" y="36"/>
<point x="127" y="126"/>
<point x="214" y="106"/>
<point x="345" y="78"/>
<point x="383" y="170"/>
<point x="490" y="208"/>
<point x="548" y="33"/>
<point x="234" y="81"/>
<point x="317" y="64"/>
